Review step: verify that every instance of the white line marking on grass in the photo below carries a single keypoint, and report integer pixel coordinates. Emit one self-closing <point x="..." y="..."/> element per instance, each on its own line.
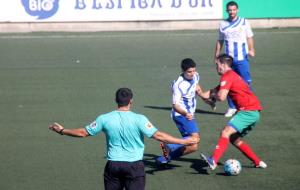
<point x="135" y="35"/>
<point x="87" y="36"/>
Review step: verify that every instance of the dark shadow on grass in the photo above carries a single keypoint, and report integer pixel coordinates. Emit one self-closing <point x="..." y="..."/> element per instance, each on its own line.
<point x="224" y="174"/>
<point x="200" y="166"/>
<point x="197" y="164"/>
<point x="149" y="161"/>
<point x="248" y="166"/>
<point x="197" y="110"/>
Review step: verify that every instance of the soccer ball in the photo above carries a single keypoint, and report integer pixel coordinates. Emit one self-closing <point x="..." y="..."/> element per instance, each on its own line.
<point x="232" y="167"/>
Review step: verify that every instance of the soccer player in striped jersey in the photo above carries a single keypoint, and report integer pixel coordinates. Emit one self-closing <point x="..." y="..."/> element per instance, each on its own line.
<point x="184" y="91"/>
<point x="236" y="35"/>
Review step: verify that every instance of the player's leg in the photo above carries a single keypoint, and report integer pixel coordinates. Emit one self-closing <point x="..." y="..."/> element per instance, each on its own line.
<point x="111" y="177"/>
<point x="176" y="150"/>
<point x="187" y="128"/>
<point x="191" y="148"/>
<point x="248" y="152"/>
<point x="235" y="125"/>
<point x="246" y="123"/>
<point x="242" y="68"/>
<point x="222" y="143"/>
<point x="220" y="148"/>
<point x="231" y="108"/>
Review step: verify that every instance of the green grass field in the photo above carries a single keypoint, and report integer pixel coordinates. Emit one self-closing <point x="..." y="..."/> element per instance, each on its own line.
<point x="72" y="77"/>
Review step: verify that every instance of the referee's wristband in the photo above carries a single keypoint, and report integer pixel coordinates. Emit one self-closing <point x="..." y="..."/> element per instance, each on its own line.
<point x="61" y="131"/>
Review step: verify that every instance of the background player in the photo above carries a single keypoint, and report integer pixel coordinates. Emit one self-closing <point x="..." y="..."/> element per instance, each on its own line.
<point x="237" y="35"/>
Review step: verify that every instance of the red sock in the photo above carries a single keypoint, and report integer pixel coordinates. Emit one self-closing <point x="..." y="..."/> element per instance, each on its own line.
<point x="220" y="148"/>
<point x="247" y="151"/>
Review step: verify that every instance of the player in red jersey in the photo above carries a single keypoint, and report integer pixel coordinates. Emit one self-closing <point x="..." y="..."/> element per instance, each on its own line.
<point x="248" y="106"/>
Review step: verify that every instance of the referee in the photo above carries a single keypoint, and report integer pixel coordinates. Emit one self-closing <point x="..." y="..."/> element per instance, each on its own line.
<point x="124" y="131"/>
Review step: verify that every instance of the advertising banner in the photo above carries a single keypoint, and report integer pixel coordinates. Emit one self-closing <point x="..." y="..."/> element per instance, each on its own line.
<point x="108" y="10"/>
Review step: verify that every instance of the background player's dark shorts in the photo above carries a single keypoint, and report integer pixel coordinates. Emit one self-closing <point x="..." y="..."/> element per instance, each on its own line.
<point x="130" y="175"/>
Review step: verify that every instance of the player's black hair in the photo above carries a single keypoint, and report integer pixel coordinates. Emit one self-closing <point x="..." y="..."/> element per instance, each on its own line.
<point x="187" y="63"/>
<point x="225" y="59"/>
<point x="123" y="96"/>
<point x="231" y="3"/>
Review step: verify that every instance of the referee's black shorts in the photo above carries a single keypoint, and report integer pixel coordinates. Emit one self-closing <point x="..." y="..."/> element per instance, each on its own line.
<point x="118" y="174"/>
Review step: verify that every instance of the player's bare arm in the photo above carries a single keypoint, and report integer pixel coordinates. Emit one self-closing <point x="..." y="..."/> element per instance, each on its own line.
<point x="251" y="50"/>
<point x="218" y="49"/>
<point x="178" y="109"/>
<point x="222" y="95"/>
<point x="58" y="128"/>
<point x="164" y="137"/>
<point x="200" y="92"/>
<point x="207" y="97"/>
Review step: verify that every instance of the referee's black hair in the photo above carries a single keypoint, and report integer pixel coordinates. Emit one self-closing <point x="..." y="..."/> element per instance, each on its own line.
<point x="187" y="63"/>
<point x="224" y="58"/>
<point x="123" y="96"/>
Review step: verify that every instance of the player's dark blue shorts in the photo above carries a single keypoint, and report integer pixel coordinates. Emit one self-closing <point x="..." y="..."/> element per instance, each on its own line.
<point x="185" y="126"/>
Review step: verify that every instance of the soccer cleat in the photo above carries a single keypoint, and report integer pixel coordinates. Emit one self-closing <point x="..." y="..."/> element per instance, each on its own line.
<point x="230" y="112"/>
<point x="165" y="158"/>
<point x="210" y="161"/>
<point x="162" y="160"/>
<point x="213" y="106"/>
<point x="262" y="165"/>
<point x="165" y="151"/>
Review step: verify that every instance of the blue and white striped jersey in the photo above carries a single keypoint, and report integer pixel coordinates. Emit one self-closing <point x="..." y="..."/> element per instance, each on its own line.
<point x="184" y="93"/>
<point x="235" y="36"/>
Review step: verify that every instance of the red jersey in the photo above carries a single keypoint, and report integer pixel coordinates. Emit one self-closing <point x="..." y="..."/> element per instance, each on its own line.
<point x="239" y="92"/>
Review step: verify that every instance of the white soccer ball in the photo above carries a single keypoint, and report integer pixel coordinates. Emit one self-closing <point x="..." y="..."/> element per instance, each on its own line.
<point x="232" y="167"/>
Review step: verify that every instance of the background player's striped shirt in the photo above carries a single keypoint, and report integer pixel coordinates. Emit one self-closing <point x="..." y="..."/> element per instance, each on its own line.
<point x="235" y="36"/>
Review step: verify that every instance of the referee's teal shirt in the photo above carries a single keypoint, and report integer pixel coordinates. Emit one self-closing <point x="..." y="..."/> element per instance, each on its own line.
<point x="124" y="132"/>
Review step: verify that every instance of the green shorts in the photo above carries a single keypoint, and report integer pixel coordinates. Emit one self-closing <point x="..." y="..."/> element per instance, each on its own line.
<point x="244" y="121"/>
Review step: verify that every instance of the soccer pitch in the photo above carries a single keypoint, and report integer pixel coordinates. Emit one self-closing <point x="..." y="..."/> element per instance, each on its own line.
<point x="71" y="78"/>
